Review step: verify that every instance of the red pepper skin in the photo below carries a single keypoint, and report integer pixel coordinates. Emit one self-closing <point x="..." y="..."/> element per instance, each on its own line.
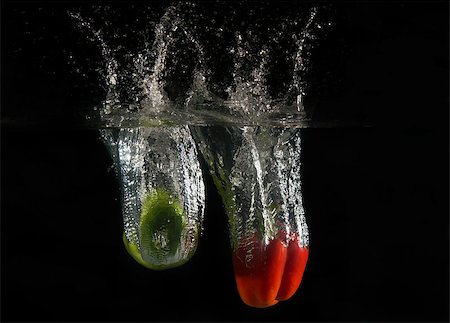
<point x="294" y="268"/>
<point x="258" y="272"/>
<point x="268" y="274"/>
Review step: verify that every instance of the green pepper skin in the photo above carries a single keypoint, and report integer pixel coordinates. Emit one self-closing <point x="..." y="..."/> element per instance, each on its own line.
<point x="161" y="232"/>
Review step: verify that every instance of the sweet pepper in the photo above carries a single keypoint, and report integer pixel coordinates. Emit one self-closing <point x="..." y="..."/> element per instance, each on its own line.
<point x="268" y="273"/>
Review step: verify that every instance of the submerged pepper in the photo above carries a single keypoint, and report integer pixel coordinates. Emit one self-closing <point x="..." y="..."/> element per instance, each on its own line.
<point x="258" y="270"/>
<point x="162" y="229"/>
<point x="257" y="173"/>
<point x="296" y="259"/>
<point x="268" y="273"/>
<point x="162" y="193"/>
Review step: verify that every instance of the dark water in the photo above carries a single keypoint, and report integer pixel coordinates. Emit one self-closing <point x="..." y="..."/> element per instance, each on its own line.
<point x="376" y="198"/>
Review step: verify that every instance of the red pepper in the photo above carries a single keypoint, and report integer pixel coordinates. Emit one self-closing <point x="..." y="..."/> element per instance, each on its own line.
<point x="268" y="273"/>
<point x="296" y="259"/>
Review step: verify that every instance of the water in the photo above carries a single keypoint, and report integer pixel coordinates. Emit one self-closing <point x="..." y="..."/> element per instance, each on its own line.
<point x="196" y="70"/>
<point x="235" y="87"/>
<point x="202" y="66"/>
<point x="226" y="83"/>
<point x="257" y="172"/>
<point x="175" y="89"/>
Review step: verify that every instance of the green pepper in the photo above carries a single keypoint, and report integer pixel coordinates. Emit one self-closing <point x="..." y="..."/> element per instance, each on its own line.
<point x="162" y="233"/>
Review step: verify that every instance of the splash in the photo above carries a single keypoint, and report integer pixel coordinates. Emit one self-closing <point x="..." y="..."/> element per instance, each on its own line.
<point x="201" y="67"/>
<point x="240" y="73"/>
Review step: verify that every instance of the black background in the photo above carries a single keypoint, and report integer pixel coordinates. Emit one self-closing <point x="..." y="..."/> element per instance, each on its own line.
<point x="376" y="197"/>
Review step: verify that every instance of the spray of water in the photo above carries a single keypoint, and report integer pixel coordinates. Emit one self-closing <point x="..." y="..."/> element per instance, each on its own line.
<point x="177" y="75"/>
<point x="241" y="72"/>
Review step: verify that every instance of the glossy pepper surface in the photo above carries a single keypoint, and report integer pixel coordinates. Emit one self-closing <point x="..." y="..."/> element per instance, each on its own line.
<point x="268" y="273"/>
